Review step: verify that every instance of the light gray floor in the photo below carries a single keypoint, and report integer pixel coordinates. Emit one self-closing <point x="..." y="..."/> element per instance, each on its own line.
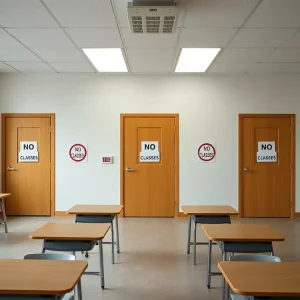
<point x="153" y="263"/>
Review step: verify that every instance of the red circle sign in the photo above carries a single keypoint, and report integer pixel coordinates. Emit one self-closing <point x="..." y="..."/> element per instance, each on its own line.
<point x="77" y="152"/>
<point x="206" y="152"/>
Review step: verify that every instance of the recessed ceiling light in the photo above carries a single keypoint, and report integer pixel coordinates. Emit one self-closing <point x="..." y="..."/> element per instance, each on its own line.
<point x="196" y="59"/>
<point x="106" y="59"/>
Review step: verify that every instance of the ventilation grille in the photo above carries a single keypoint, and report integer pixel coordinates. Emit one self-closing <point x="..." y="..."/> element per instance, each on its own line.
<point x="152" y="19"/>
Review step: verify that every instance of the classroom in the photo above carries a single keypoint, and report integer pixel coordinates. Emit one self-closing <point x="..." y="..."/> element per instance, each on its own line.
<point x="149" y="149"/>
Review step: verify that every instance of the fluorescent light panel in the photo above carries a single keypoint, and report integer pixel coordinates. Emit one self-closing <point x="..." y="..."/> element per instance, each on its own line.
<point x="196" y="59"/>
<point x="106" y="59"/>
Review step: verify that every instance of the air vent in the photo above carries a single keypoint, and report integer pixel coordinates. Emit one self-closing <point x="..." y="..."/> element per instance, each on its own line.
<point x="152" y="17"/>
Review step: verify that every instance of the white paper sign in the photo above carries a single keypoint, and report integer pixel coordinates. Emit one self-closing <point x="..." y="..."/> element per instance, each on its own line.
<point x="266" y="152"/>
<point x="78" y="153"/>
<point x="149" y="152"/>
<point x="206" y="152"/>
<point x="28" y="152"/>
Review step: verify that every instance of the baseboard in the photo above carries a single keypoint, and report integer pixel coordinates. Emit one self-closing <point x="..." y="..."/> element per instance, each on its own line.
<point x="62" y="213"/>
<point x="297" y="214"/>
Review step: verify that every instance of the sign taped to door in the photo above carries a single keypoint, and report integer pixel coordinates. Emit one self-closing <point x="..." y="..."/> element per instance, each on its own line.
<point x="149" y="152"/>
<point x="206" y="152"/>
<point x="28" y="152"/>
<point x="266" y="152"/>
<point x="78" y="153"/>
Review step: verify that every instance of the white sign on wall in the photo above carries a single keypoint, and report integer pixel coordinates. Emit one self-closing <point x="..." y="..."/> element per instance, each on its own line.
<point x="28" y="152"/>
<point x="206" y="152"/>
<point x="266" y="152"/>
<point x="149" y="152"/>
<point x="78" y="153"/>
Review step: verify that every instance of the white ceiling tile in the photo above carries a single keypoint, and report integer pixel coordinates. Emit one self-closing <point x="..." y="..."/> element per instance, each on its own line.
<point x="287" y="55"/>
<point x="276" y="68"/>
<point x="82" y="13"/>
<point x="50" y="55"/>
<point x="42" y="38"/>
<point x="31" y="67"/>
<point x="276" y="13"/>
<point x="149" y="40"/>
<point x="205" y="37"/>
<point x="243" y="55"/>
<point x="17" y="54"/>
<point x="150" y="60"/>
<point x="95" y="37"/>
<point x="293" y="42"/>
<point x="230" y="67"/>
<point x="7" y="41"/>
<point x="25" y="13"/>
<point x="72" y="67"/>
<point x="5" y="68"/>
<point x="218" y="13"/>
<point x="261" y="37"/>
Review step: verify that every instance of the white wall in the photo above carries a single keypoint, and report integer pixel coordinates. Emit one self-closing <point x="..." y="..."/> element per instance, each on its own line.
<point x="87" y="109"/>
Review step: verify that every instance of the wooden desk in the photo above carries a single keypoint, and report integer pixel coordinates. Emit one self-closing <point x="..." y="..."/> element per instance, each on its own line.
<point x="206" y="214"/>
<point x="3" y="196"/>
<point x="100" y="214"/>
<point x="241" y="232"/>
<point x="262" y="278"/>
<point x="95" y="209"/>
<point x="241" y="238"/>
<point x="39" y="277"/>
<point x="209" y="210"/>
<point x="71" y="232"/>
<point x="69" y="235"/>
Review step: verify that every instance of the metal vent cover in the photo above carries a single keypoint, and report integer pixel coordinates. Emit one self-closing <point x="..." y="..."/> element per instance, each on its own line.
<point x="146" y="17"/>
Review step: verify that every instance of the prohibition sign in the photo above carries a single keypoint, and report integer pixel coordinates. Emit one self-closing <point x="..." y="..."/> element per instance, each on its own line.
<point x="77" y="152"/>
<point x="206" y="152"/>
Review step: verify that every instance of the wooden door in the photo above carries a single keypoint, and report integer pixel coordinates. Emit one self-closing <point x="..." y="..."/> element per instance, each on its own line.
<point x="266" y="175"/>
<point x="29" y="182"/>
<point x="149" y="186"/>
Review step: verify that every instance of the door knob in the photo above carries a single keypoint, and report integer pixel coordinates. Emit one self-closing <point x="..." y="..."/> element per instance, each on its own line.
<point x="246" y="169"/>
<point x="129" y="170"/>
<point x="11" y="169"/>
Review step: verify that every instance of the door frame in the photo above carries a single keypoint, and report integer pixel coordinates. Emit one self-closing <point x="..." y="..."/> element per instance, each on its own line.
<point x="52" y="149"/>
<point x="240" y="163"/>
<point x="122" y="127"/>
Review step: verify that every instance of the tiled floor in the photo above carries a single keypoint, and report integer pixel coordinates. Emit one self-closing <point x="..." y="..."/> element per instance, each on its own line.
<point x="153" y="263"/>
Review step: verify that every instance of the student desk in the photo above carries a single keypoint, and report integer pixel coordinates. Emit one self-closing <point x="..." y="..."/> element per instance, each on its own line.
<point x="240" y="238"/>
<point x="263" y="278"/>
<point x="99" y="214"/>
<point x="3" y="196"/>
<point x="206" y="214"/>
<point x="72" y="237"/>
<point x="33" y="278"/>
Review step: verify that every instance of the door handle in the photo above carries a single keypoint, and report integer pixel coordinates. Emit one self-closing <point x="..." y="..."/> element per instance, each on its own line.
<point x="11" y="169"/>
<point x="129" y="170"/>
<point x="246" y="169"/>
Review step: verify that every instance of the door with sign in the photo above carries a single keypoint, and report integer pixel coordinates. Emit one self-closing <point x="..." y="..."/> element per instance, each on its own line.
<point x="27" y="164"/>
<point x="148" y="170"/>
<point x="266" y="166"/>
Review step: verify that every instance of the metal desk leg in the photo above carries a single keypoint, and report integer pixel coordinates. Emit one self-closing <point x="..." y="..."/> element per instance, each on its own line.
<point x="112" y="242"/>
<point x="223" y="279"/>
<point x="4" y="214"/>
<point x="208" y="279"/>
<point x="117" y="228"/>
<point x="195" y="241"/>
<point x="79" y="290"/>
<point x="189" y="234"/>
<point x="101" y="263"/>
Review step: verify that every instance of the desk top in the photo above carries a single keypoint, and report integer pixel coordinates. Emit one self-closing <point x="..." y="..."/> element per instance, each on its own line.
<point x="43" y="277"/>
<point x="71" y="231"/>
<point x="95" y="209"/>
<point x="4" y="195"/>
<point x="262" y="278"/>
<point x="209" y="210"/>
<point x="241" y="232"/>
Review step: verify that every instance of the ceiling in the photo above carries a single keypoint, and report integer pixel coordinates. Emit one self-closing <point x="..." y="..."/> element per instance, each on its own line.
<point x="256" y="36"/>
